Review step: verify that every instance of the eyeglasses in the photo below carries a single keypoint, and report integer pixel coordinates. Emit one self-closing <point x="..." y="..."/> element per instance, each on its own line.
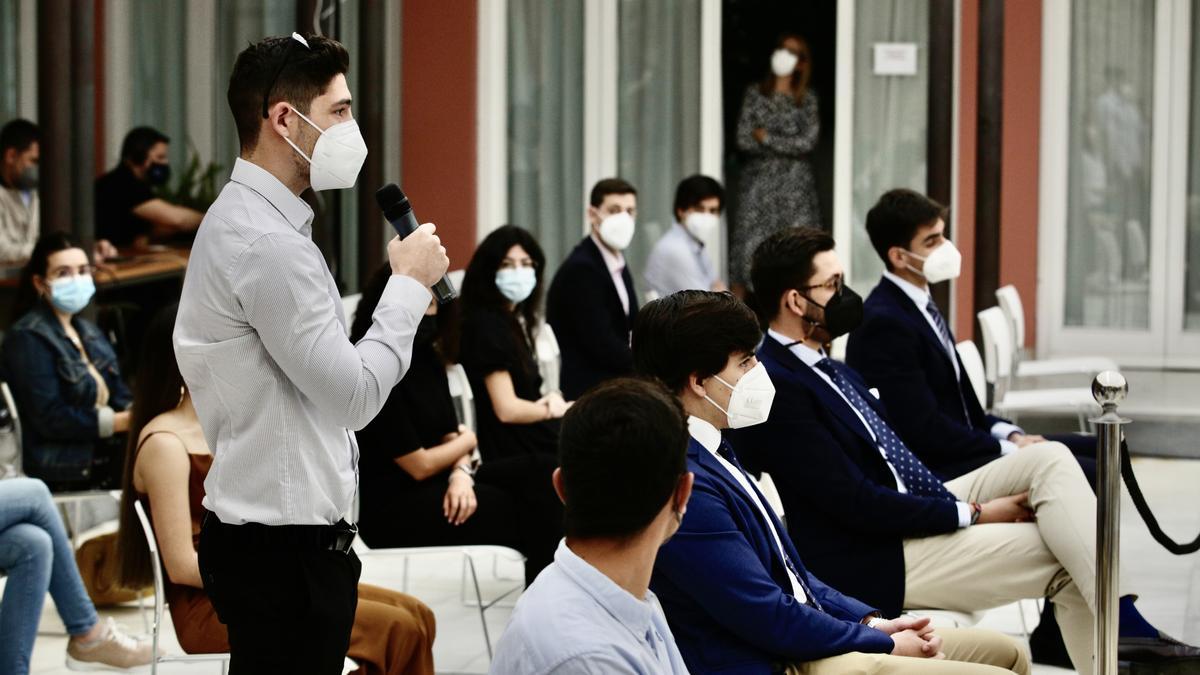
<point x="835" y="284"/>
<point x="287" y="56"/>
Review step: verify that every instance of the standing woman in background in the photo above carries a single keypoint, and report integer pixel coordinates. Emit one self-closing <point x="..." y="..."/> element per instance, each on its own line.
<point x="777" y="132"/>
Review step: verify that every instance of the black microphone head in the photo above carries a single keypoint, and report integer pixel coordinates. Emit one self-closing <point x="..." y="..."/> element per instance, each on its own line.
<point x="389" y="195"/>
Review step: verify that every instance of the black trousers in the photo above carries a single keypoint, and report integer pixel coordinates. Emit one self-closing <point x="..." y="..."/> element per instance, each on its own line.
<point x="517" y="508"/>
<point x="288" y="609"/>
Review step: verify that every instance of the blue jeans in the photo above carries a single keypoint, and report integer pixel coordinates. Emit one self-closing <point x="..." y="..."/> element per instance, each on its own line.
<point x="37" y="557"/>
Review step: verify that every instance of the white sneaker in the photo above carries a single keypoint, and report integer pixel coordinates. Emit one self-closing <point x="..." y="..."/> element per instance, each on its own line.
<point x="114" y="651"/>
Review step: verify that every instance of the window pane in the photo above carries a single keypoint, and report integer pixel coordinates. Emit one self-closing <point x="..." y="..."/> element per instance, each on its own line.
<point x="1191" y="298"/>
<point x="658" y="115"/>
<point x="891" y="119"/>
<point x="545" y="124"/>
<point x="10" y="59"/>
<point x="1108" y="220"/>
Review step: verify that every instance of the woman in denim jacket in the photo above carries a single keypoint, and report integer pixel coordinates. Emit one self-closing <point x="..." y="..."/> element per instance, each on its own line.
<point x="62" y="370"/>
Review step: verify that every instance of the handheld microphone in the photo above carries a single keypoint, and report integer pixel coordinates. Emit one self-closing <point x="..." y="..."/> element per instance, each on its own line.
<point x="399" y="212"/>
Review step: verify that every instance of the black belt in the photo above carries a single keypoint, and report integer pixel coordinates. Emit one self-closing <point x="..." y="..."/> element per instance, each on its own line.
<point x="337" y="537"/>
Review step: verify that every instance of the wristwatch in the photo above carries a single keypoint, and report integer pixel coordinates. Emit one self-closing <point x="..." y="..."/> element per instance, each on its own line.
<point x="875" y="621"/>
<point x="976" y="511"/>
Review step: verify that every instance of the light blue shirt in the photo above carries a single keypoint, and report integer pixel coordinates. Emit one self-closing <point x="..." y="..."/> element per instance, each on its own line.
<point x="574" y="619"/>
<point x="678" y="263"/>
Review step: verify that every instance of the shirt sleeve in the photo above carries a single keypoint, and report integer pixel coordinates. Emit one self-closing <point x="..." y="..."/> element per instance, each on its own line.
<point x="1002" y="430"/>
<point x="281" y="284"/>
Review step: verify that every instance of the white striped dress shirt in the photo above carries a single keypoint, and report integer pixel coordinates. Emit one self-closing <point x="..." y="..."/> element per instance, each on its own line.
<point x="261" y="342"/>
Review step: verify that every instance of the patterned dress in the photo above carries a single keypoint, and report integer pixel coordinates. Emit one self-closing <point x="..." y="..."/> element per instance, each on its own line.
<point x="778" y="188"/>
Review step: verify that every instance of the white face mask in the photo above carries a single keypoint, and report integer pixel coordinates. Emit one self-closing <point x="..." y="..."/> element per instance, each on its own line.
<point x="703" y="226"/>
<point x="783" y="62"/>
<point x="337" y="157"/>
<point x="516" y="284"/>
<point x="616" y="231"/>
<point x="943" y="264"/>
<point x="750" y="402"/>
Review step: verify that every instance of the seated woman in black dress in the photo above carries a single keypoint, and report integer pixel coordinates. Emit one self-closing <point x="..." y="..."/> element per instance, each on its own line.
<point x="417" y="481"/>
<point x="501" y="299"/>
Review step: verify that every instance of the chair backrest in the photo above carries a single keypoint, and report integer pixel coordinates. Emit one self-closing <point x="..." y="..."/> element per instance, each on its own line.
<point x="549" y="358"/>
<point x="159" y="594"/>
<point x="972" y="362"/>
<point x="1010" y="302"/>
<point x="11" y="448"/>
<point x="456" y="278"/>
<point x="350" y="306"/>
<point x="997" y="345"/>
<point x="460" y="389"/>
<point x="766" y="485"/>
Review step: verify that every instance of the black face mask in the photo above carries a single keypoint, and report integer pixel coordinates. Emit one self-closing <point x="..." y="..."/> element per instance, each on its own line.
<point x="158" y="174"/>
<point x="427" y="330"/>
<point x="842" y="314"/>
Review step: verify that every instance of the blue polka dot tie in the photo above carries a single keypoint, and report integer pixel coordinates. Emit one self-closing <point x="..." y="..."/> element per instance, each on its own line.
<point x="917" y="478"/>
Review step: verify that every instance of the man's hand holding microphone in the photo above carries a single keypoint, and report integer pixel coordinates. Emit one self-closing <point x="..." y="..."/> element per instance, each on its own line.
<point x="420" y="255"/>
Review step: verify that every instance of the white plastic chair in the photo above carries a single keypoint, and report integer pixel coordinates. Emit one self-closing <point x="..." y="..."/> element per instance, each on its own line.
<point x="1010" y="303"/>
<point x="549" y="358"/>
<point x="997" y="356"/>
<point x="460" y="390"/>
<point x="160" y="602"/>
<point x="349" y="307"/>
<point x="766" y="485"/>
<point x="468" y="554"/>
<point x="972" y="363"/>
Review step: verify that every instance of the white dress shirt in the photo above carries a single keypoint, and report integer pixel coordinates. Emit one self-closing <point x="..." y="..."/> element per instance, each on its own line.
<point x="615" y="262"/>
<point x="261" y="343"/>
<point x="708" y="436"/>
<point x="921" y="297"/>
<point x="810" y="357"/>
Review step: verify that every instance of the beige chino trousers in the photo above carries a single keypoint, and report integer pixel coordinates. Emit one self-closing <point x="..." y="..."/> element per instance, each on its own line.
<point x="969" y="651"/>
<point x="987" y="566"/>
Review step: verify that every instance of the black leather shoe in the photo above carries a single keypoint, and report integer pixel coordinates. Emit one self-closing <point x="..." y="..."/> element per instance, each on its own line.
<point x="1161" y="649"/>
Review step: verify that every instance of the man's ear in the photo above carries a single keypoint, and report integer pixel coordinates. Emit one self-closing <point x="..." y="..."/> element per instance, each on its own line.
<point x="897" y="258"/>
<point x="793" y="302"/>
<point x="696" y="386"/>
<point x="683" y="492"/>
<point x="557" y="480"/>
<point x="277" y="116"/>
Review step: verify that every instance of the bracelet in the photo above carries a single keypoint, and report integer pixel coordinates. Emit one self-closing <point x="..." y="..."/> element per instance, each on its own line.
<point x="465" y="469"/>
<point x="976" y="511"/>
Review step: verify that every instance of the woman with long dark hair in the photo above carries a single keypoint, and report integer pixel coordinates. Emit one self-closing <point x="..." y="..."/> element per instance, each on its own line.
<point x="167" y="461"/>
<point x="420" y="486"/>
<point x="63" y="372"/>
<point x="501" y="306"/>
<point x="777" y="132"/>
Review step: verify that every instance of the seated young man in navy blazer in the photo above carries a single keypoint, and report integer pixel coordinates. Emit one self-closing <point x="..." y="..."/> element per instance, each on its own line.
<point x="592" y="300"/>
<point x="736" y="594"/>
<point x="871" y="518"/>
<point x="905" y="348"/>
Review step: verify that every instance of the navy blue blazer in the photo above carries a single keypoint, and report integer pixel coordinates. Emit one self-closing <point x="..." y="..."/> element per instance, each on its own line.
<point x="932" y="409"/>
<point x="724" y="588"/>
<point x="843" y="510"/>
<point x="589" y="321"/>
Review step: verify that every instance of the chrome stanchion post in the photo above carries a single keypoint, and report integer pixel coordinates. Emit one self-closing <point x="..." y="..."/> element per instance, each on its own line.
<point x="1109" y="388"/>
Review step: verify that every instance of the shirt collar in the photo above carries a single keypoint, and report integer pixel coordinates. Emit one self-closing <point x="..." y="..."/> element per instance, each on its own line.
<point x="680" y="230"/>
<point x="807" y="354"/>
<point x="636" y="615"/>
<point x="614" y="261"/>
<point x="919" y="296"/>
<point x="295" y="210"/>
<point x="705" y="434"/>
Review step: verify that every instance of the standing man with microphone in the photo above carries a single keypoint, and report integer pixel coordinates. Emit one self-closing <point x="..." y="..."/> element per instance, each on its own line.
<point x="261" y="342"/>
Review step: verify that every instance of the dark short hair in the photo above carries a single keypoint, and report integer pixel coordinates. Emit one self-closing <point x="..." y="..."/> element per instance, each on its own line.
<point x="610" y="186"/>
<point x="622" y="449"/>
<point x="691" y="333"/>
<point x="305" y="75"/>
<point x="18" y="134"/>
<point x="896" y="217"/>
<point x="782" y="262"/>
<point x="695" y="189"/>
<point x="138" y="142"/>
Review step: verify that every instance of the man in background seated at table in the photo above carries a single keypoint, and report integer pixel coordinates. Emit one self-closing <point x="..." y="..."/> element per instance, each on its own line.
<point x="624" y="483"/>
<point x="128" y="213"/>
<point x="678" y="262"/>
<point x="19" y="154"/>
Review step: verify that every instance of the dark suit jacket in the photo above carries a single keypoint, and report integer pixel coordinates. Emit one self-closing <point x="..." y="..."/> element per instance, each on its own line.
<point x="843" y="510"/>
<point x="898" y="352"/>
<point x="591" y="325"/>
<point x="726" y="594"/>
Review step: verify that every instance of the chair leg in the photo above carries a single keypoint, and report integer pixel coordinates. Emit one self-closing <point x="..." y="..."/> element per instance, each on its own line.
<point x="141" y="597"/>
<point x="487" y="639"/>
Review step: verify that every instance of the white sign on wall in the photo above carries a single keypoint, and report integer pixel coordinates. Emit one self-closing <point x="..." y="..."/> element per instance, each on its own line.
<point x="895" y="58"/>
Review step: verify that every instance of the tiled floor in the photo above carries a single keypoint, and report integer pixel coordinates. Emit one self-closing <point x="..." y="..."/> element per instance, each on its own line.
<point x="1169" y="585"/>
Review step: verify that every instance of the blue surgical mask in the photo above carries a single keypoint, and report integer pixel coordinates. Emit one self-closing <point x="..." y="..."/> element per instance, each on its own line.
<point x="516" y="284"/>
<point x="72" y="294"/>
